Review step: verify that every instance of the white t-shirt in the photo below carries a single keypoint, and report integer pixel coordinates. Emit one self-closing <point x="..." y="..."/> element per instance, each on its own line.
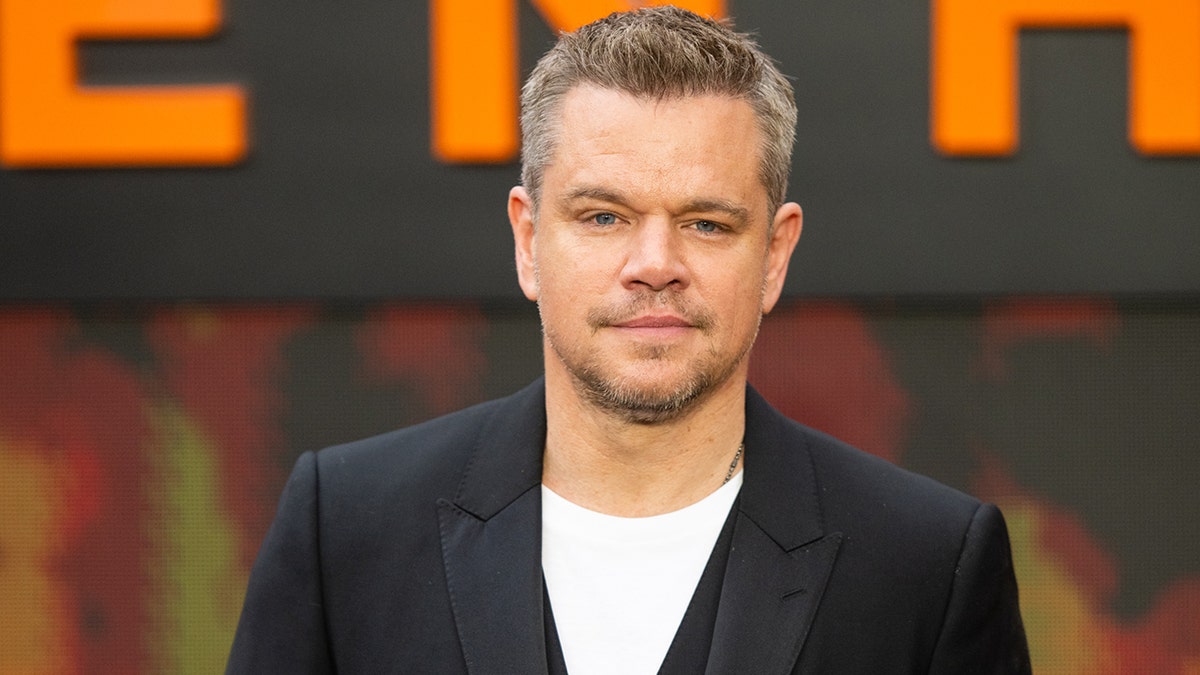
<point x="619" y="586"/>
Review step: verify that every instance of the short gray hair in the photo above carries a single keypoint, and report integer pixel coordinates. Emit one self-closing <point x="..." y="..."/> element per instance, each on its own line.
<point x="659" y="53"/>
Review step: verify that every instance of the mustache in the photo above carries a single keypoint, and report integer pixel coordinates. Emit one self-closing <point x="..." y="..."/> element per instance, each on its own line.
<point x="631" y="308"/>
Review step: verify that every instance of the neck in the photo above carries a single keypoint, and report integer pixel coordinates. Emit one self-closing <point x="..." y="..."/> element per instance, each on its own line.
<point x="607" y="464"/>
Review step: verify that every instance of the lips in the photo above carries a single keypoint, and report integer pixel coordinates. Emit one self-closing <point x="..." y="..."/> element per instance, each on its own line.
<point x="650" y="313"/>
<point x="655" y="322"/>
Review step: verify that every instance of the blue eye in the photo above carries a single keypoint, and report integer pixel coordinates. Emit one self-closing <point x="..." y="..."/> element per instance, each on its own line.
<point x="604" y="219"/>
<point x="707" y="226"/>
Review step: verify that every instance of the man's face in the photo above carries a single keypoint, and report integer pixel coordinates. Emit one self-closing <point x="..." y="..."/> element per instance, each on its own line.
<point x="653" y="257"/>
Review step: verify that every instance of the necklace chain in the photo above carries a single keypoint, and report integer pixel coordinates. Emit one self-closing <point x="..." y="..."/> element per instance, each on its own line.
<point x="733" y="465"/>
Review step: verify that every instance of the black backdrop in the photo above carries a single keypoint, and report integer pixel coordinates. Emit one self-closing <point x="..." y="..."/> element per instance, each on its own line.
<point x="340" y="197"/>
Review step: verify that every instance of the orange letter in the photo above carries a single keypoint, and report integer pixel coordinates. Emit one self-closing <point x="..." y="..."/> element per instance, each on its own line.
<point x="473" y="63"/>
<point x="974" y="71"/>
<point x="48" y="120"/>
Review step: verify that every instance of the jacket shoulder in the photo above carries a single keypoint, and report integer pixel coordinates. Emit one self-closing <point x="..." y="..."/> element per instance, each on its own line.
<point x="412" y="447"/>
<point x="850" y="479"/>
<point x="426" y="460"/>
<point x="928" y="561"/>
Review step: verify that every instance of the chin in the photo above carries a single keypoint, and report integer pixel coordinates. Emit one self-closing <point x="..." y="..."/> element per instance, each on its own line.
<point x="651" y="396"/>
<point x="643" y="407"/>
<point x="651" y="385"/>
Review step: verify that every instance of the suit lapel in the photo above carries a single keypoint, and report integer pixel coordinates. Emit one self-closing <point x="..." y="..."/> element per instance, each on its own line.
<point x="781" y="557"/>
<point x="491" y="542"/>
<point x="768" y="601"/>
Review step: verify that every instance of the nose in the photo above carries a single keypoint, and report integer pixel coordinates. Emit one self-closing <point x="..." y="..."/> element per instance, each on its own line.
<point x="655" y="259"/>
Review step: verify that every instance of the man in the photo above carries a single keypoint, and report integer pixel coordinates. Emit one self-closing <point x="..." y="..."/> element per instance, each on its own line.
<point x="640" y="509"/>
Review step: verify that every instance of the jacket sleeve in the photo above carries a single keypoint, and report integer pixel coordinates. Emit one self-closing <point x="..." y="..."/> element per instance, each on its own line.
<point x="282" y="627"/>
<point x="982" y="630"/>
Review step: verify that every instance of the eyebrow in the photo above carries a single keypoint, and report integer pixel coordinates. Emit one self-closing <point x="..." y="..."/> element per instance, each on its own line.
<point x="734" y="211"/>
<point x="596" y="193"/>
<point x="699" y="205"/>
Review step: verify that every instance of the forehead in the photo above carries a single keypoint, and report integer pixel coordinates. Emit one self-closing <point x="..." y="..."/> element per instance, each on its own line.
<point x="707" y="146"/>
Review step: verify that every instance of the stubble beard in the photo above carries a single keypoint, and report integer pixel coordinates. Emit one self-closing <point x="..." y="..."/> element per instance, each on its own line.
<point x="633" y="401"/>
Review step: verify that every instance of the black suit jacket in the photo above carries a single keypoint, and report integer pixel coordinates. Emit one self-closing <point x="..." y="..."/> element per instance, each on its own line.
<point x="419" y="551"/>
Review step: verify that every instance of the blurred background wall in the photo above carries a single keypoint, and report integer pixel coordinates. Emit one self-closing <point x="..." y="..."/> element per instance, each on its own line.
<point x="234" y="232"/>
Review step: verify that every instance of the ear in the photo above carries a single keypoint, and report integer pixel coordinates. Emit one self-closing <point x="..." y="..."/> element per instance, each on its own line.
<point x="520" y="215"/>
<point x="789" y="220"/>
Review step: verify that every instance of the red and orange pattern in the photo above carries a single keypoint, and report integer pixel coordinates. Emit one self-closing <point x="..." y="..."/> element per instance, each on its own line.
<point x="142" y="451"/>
